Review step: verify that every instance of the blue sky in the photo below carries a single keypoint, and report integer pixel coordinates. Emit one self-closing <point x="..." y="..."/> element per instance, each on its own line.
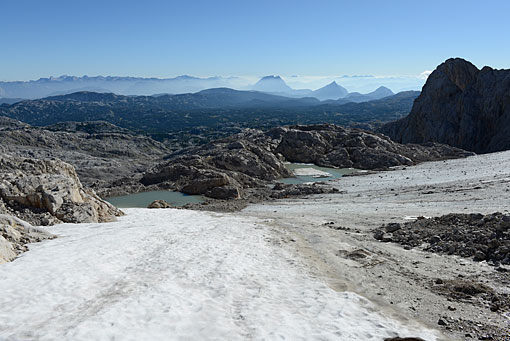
<point x="247" y="38"/>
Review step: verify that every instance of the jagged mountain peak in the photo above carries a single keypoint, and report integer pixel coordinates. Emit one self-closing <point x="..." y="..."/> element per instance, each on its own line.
<point x="333" y="84"/>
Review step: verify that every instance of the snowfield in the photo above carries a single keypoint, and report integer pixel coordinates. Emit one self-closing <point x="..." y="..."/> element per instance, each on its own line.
<point x="179" y="275"/>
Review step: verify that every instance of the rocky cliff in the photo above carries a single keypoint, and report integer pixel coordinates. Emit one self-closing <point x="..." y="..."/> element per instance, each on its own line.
<point x="461" y="106"/>
<point x="46" y="192"/>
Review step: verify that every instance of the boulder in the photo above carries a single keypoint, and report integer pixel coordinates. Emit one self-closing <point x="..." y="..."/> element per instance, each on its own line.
<point x="45" y="192"/>
<point x="159" y="204"/>
<point x="15" y="234"/>
<point x="205" y="181"/>
<point x="392" y="227"/>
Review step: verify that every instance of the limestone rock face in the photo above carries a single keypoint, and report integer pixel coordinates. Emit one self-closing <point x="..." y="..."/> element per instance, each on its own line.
<point x="15" y="234"/>
<point x="45" y="192"/>
<point x="460" y="106"/>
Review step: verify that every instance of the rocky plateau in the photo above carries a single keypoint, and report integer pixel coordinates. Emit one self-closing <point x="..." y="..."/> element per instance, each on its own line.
<point x="231" y="168"/>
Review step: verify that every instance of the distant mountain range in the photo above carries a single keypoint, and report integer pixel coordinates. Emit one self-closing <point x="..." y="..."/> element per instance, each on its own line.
<point x="62" y="85"/>
<point x="11" y="92"/>
<point x="333" y="91"/>
<point x="216" y="109"/>
<point x="379" y="93"/>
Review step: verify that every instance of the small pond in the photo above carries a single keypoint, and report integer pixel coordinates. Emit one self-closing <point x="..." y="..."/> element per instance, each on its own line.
<point x="312" y="173"/>
<point x="304" y="173"/>
<point x="145" y="198"/>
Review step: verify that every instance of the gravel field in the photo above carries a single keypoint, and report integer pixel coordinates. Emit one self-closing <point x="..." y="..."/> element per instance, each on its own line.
<point x="335" y="233"/>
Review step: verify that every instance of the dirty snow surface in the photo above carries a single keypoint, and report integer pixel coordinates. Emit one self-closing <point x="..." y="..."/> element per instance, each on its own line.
<point x="178" y="275"/>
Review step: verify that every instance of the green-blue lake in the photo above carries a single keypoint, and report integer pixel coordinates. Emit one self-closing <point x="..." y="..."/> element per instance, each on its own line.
<point x="145" y="198"/>
<point x="304" y="173"/>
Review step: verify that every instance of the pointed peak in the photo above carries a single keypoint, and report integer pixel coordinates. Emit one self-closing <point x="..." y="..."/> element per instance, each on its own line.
<point x="380" y="92"/>
<point x="382" y="88"/>
<point x="332" y="85"/>
<point x="332" y="91"/>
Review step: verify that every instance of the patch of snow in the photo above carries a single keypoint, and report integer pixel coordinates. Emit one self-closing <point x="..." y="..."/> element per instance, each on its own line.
<point x="413" y="217"/>
<point x="178" y="274"/>
<point x="312" y="172"/>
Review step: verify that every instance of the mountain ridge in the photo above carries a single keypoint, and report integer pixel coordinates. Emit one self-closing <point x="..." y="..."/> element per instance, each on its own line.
<point x="140" y="86"/>
<point x="221" y="109"/>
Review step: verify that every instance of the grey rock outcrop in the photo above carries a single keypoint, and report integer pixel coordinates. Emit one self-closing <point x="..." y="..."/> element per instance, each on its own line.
<point x="333" y="146"/>
<point x="222" y="169"/>
<point x="45" y="192"/>
<point x="227" y="168"/>
<point x="15" y="234"/>
<point x="100" y="152"/>
<point x="460" y="106"/>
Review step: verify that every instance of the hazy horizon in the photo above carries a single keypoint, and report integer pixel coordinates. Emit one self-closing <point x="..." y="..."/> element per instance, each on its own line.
<point x="321" y="39"/>
<point x="353" y="83"/>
